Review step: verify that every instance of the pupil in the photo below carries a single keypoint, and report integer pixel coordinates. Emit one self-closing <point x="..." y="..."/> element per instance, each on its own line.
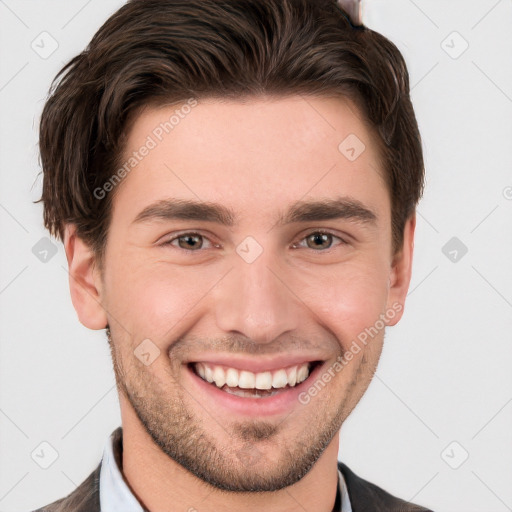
<point x="320" y="238"/>
<point x="192" y="241"/>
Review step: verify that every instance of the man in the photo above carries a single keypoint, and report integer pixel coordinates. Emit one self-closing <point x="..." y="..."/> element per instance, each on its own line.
<point x="235" y="184"/>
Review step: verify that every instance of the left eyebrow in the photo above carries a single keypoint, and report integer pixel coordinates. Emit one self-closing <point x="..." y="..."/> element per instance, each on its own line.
<point x="327" y="209"/>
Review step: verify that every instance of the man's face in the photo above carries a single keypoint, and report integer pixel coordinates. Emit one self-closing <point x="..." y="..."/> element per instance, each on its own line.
<point x="256" y="288"/>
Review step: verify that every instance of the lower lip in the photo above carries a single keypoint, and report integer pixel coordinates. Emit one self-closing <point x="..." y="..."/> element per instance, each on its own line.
<point x="280" y="403"/>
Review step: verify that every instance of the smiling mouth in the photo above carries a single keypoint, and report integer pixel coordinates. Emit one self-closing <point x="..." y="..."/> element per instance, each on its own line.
<point x="248" y="384"/>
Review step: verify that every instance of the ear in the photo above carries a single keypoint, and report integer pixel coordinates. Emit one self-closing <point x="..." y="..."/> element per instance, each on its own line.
<point x="84" y="281"/>
<point x="401" y="270"/>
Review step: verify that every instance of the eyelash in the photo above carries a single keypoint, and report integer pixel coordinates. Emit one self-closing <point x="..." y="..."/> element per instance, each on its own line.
<point x="314" y="232"/>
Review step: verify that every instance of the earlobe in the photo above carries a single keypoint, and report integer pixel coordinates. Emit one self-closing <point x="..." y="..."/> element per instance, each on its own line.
<point x="84" y="281"/>
<point x="400" y="276"/>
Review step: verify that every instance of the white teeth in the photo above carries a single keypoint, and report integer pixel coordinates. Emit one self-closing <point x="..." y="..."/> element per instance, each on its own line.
<point x="231" y="378"/>
<point x="200" y="370"/>
<point x="292" y="376"/>
<point x="219" y="376"/>
<point x="208" y="373"/>
<point x="280" y="379"/>
<point x="263" y="380"/>
<point x="302" y="374"/>
<point x="248" y="380"/>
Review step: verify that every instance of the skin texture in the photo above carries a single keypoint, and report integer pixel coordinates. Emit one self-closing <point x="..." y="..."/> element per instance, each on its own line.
<point x="256" y="157"/>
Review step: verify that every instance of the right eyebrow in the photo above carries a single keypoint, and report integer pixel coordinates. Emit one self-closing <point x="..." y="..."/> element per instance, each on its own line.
<point x="185" y="209"/>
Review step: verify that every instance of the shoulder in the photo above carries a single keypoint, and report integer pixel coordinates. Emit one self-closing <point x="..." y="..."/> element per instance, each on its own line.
<point x="367" y="496"/>
<point x="85" y="498"/>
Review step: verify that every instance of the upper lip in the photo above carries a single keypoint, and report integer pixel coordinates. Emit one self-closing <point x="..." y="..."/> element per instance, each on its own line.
<point x="256" y="365"/>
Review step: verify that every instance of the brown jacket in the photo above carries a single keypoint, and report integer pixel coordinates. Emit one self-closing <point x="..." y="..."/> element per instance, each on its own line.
<point x="364" y="496"/>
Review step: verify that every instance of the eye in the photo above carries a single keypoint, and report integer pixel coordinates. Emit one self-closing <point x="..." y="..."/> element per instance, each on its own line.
<point x="189" y="241"/>
<point x="193" y="242"/>
<point x="320" y="240"/>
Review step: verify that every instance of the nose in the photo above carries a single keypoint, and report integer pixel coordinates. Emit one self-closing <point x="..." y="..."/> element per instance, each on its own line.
<point x="256" y="300"/>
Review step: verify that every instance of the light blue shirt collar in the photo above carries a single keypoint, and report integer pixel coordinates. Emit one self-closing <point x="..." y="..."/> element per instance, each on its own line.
<point x="115" y="495"/>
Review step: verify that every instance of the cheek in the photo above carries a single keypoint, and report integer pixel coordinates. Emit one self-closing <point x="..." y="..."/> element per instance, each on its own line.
<point x="349" y="301"/>
<point x="150" y="298"/>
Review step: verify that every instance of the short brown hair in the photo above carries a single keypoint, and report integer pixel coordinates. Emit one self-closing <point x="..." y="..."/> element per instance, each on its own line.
<point x="162" y="51"/>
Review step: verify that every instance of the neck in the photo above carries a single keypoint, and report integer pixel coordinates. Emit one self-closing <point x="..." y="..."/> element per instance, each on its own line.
<point x="161" y="484"/>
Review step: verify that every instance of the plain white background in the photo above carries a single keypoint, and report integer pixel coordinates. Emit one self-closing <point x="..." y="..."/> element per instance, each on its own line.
<point x="435" y="424"/>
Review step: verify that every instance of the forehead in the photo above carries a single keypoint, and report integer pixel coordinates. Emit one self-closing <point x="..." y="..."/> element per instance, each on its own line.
<point x="250" y="154"/>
